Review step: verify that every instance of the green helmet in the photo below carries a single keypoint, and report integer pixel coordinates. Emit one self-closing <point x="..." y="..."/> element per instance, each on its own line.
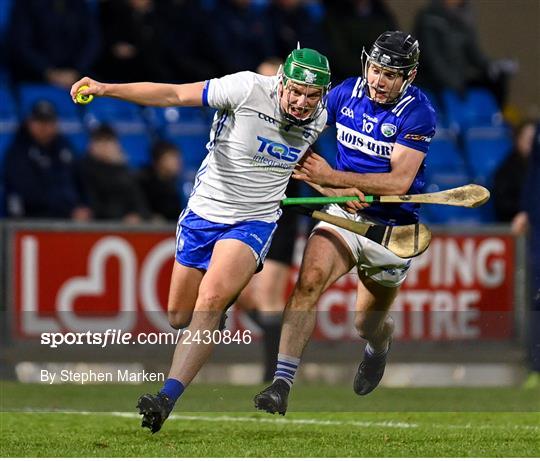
<point x="307" y="67"/>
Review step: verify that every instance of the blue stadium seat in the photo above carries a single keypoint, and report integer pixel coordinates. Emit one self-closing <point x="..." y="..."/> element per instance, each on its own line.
<point x="31" y="93"/>
<point x="9" y="121"/>
<point x="192" y="120"/>
<point x="193" y="148"/>
<point x="116" y="113"/>
<point x="445" y="169"/>
<point x="5" y="8"/>
<point x="478" y="108"/>
<point x="5" y="12"/>
<point x="137" y="148"/>
<point x="8" y="109"/>
<point x="486" y="148"/>
<point x="79" y="141"/>
<point x="444" y="154"/>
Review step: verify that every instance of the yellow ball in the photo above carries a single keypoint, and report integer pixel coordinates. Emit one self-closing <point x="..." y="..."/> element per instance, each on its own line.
<point x="84" y="98"/>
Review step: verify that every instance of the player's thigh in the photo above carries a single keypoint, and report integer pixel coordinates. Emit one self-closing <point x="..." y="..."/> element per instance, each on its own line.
<point x="326" y="258"/>
<point x="232" y="265"/>
<point x="270" y="286"/>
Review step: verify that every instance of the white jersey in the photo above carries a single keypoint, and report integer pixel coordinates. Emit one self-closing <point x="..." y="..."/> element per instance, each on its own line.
<point x="251" y="153"/>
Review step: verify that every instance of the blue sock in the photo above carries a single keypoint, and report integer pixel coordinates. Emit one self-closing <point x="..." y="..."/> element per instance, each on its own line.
<point x="173" y="389"/>
<point x="286" y="368"/>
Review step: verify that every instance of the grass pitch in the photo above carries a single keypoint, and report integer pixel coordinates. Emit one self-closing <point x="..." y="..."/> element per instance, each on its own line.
<point x="219" y="421"/>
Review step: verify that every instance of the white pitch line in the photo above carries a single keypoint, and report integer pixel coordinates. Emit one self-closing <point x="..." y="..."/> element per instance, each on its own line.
<point x="293" y="421"/>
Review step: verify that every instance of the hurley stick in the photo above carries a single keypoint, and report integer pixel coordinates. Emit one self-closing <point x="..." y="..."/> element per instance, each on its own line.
<point x="470" y="196"/>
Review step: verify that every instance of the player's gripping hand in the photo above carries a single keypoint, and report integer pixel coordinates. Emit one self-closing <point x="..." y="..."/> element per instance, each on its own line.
<point x="314" y="168"/>
<point x="93" y="88"/>
<point x="354" y="205"/>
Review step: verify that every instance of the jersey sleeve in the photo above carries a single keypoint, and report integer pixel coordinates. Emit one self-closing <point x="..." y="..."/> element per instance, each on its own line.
<point x="418" y="128"/>
<point x="228" y="92"/>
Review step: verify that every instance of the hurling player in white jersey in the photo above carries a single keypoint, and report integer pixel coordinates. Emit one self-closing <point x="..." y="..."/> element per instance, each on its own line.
<point x="384" y="126"/>
<point x="263" y="127"/>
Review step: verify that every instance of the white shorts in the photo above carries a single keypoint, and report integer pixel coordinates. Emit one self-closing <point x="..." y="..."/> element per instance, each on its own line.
<point x="372" y="259"/>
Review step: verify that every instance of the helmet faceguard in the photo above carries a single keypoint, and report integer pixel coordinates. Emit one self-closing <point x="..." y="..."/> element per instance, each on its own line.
<point x="395" y="51"/>
<point x="304" y="69"/>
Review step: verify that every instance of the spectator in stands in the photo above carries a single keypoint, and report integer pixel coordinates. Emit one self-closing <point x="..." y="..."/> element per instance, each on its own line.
<point x="53" y="41"/>
<point x="40" y="172"/>
<point x="351" y="26"/>
<point x="511" y="174"/>
<point x="161" y="182"/>
<point x="111" y="187"/>
<point x="451" y="55"/>
<point x="243" y="36"/>
<point x="133" y="40"/>
<point x="529" y="219"/>
<point x="293" y="22"/>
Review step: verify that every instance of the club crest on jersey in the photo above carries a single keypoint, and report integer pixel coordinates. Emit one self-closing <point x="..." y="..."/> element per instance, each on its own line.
<point x="388" y="129"/>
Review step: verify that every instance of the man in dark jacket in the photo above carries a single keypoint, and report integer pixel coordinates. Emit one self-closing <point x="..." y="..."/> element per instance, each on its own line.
<point x="111" y="187"/>
<point x="40" y="175"/>
<point x="161" y="182"/>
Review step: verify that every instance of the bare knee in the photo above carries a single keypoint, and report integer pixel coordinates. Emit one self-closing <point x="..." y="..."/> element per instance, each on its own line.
<point x="179" y="319"/>
<point x="310" y="285"/>
<point x="212" y="299"/>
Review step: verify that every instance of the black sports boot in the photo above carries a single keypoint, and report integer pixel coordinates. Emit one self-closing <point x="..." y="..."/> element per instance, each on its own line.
<point x="155" y="410"/>
<point x="274" y="398"/>
<point x="370" y="372"/>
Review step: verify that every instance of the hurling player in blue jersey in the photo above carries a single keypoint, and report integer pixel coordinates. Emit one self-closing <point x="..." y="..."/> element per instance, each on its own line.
<point x="384" y="127"/>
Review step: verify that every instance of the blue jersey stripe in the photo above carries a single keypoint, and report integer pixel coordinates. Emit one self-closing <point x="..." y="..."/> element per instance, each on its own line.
<point x="205" y="93"/>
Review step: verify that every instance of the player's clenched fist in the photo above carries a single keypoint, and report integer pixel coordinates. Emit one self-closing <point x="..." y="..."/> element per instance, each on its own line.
<point x="91" y="87"/>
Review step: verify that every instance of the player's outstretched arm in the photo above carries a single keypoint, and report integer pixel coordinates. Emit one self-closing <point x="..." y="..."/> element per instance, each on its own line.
<point x="143" y="93"/>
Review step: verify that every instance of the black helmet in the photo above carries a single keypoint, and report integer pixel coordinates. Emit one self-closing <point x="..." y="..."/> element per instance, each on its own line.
<point x="397" y="50"/>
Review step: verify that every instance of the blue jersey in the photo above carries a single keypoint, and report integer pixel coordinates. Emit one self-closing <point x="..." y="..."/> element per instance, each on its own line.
<point x="367" y="132"/>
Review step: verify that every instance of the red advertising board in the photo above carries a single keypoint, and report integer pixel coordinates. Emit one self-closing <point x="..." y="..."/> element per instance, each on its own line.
<point x="462" y="288"/>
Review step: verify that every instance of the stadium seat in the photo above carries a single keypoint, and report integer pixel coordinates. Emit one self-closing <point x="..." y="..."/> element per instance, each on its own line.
<point x="124" y="116"/>
<point x="191" y="120"/>
<point x="9" y="121"/>
<point x="444" y="154"/>
<point x="137" y="148"/>
<point x="5" y="10"/>
<point x="446" y="168"/>
<point x="31" y="93"/>
<point x="477" y="108"/>
<point x="486" y="148"/>
<point x="193" y="148"/>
